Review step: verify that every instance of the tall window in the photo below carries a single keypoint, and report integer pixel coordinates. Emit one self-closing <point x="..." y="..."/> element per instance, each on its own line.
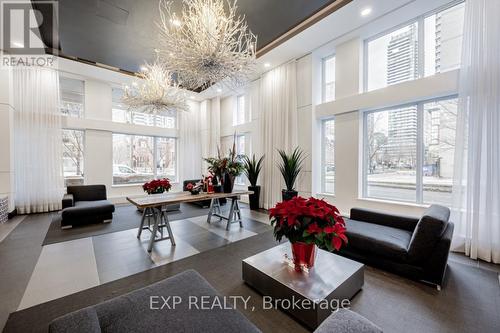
<point x="328" y="156"/>
<point x="73" y="151"/>
<point x="408" y="152"/>
<point x="137" y="158"/>
<point x="328" y="79"/>
<point x="121" y="114"/>
<point x="239" y="112"/>
<point x="428" y="45"/>
<point x="72" y="97"/>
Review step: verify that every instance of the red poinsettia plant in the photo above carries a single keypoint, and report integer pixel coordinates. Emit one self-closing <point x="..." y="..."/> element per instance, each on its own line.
<point x="311" y="221"/>
<point x="157" y="186"/>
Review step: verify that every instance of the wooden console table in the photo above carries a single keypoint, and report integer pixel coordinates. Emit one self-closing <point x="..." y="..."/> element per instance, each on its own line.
<point x="151" y="206"/>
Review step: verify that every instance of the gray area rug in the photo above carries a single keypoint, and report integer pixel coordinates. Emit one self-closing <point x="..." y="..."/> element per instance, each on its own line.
<point x="469" y="301"/>
<point x="125" y="217"/>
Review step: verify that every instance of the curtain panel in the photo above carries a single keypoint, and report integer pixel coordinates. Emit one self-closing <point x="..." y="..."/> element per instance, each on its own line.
<point x="190" y="146"/>
<point x="39" y="184"/>
<point x="476" y="188"/>
<point x="278" y="107"/>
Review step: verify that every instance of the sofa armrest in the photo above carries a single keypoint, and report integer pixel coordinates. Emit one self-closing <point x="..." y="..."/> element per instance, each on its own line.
<point x="435" y="267"/>
<point x="390" y="220"/>
<point x="67" y="201"/>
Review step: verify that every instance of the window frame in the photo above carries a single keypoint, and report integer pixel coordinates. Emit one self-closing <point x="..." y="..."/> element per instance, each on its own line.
<point x="82" y="115"/>
<point x="173" y="180"/>
<point x="237" y="110"/>
<point x="420" y="20"/>
<point x="420" y="149"/>
<point x="323" y="163"/>
<point x="323" y="77"/>
<point x="83" y="154"/>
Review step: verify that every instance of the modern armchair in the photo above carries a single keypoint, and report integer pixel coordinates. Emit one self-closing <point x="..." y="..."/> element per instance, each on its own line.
<point x="417" y="248"/>
<point x="86" y="204"/>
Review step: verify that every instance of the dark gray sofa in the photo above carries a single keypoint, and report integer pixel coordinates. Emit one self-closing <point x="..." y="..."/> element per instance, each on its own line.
<point x="86" y="204"/>
<point x="141" y="311"/>
<point x="417" y="248"/>
<point x="132" y="313"/>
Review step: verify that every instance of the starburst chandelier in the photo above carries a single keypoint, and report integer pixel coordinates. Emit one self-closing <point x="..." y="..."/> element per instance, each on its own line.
<point x="206" y="44"/>
<point x="157" y="93"/>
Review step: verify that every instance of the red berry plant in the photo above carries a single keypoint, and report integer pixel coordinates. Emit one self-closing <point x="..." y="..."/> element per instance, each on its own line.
<point x="309" y="221"/>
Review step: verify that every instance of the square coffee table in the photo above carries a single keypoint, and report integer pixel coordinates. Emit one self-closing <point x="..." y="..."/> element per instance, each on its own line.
<point x="309" y="296"/>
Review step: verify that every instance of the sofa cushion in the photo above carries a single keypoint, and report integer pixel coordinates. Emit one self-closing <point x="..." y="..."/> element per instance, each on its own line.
<point x="428" y="232"/>
<point x="88" y="208"/>
<point x="138" y="312"/>
<point x="346" y="321"/>
<point x="82" y="321"/>
<point x="87" y="192"/>
<point x="378" y="239"/>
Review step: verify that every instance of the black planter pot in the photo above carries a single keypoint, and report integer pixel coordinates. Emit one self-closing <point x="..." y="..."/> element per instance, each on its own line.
<point x="255" y="197"/>
<point x="288" y="195"/>
<point x="228" y="183"/>
<point x="218" y="188"/>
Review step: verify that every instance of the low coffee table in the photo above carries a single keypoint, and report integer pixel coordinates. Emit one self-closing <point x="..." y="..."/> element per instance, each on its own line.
<point x="315" y="293"/>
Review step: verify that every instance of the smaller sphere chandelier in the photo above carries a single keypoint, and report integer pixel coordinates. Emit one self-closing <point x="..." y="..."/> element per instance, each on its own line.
<point x="156" y="93"/>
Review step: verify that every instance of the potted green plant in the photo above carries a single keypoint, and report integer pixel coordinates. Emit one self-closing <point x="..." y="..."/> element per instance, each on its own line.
<point x="290" y="167"/>
<point x="252" y="171"/>
<point x="226" y="169"/>
<point x="234" y="168"/>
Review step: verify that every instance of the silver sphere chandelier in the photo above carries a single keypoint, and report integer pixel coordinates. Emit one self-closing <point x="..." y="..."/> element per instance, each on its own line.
<point x="206" y="44"/>
<point x="156" y="93"/>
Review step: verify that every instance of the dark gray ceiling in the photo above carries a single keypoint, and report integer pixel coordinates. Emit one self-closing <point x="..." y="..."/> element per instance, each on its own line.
<point x="123" y="33"/>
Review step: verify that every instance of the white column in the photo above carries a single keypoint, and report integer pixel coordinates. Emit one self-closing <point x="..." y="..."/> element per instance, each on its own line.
<point x="304" y="115"/>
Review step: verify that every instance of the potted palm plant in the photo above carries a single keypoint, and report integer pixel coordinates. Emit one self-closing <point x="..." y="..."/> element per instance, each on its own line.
<point x="252" y="171"/>
<point x="290" y="167"/>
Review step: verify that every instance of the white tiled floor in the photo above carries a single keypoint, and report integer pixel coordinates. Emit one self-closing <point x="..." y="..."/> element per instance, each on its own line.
<point x="163" y="252"/>
<point x="235" y="233"/>
<point x="62" y="269"/>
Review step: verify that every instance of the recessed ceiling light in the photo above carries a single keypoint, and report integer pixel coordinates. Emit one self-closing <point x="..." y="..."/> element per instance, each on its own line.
<point x="267" y="65"/>
<point x="177" y="23"/>
<point x="144" y="69"/>
<point x="17" y="44"/>
<point x="219" y="90"/>
<point x="366" y="11"/>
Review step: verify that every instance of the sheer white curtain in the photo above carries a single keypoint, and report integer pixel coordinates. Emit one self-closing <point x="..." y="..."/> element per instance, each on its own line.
<point x="210" y="128"/>
<point x="476" y="210"/>
<point x="278" y="107"/>
<point x="190" y="143"/>
<point x="37" y="140"/>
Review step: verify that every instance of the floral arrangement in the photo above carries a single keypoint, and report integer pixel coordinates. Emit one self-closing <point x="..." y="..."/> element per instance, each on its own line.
<point x="157" y="186"/>
<point x="310" y="221"/>
<point x="194" y="188"/>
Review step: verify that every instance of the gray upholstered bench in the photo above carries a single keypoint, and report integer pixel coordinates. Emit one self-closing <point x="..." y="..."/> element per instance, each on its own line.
<point x="346" y="321"/>
<point x="132" y="312"/>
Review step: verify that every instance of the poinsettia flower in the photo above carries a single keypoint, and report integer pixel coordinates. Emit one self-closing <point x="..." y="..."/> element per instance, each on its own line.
<point x="314" y="229"/>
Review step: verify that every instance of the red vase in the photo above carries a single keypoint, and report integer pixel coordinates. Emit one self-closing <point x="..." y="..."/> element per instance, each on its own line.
<point x="303" y="255"/>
